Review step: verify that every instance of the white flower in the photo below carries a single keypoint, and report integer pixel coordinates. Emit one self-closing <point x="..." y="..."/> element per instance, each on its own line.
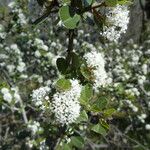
<point x="141" y="80"/>
<point x="44" y="47"/>
<point x="118" y="19"/>
<point x="145" y="69"/>
<point x="133" y="107"/>
<point x="147" y="126"/>
<point x="142" y="118"/>
<point x="14" y="47"/>
<point x="43" y="145"/>
<point x="65" y="105"/>
<point x="16" y="94"/>
<point x="22" y="19"/>
<point x="38" y="42"/>
<point x="10" y="68"/>
<point x="12" y="4"/>
<point x="6" y="95"/>
<point x="21" y="67"/>
<point x="40" y="96"/>
<point x="37" y="53"/>
<point x="96" y="61"/>
<point x="34" y="127"/>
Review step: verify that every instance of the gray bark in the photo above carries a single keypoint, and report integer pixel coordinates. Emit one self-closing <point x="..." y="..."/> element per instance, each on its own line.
<point x="135" y="26"/>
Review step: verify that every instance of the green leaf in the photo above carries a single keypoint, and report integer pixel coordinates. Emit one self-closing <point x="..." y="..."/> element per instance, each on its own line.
<point x="122" y="2"/>
<point x="76" y="62"/>
<point x="99" y="129"/>
<point x="109" y="112"/>
<point x="62" y="65"/>
<point x="111" y="2"/>
<point x="63" y="84"/>
<point x="104" y="124"/>
<point x="99" y="104"/>
<point x="83" y="117"/>
<point x="66" y="1"/>
<point x="85" y="72"/>
<point x="77" y="141"/>
<point x="69" y="17"/>
<point x="66" y="147"/>
<point x="86" y="94"/>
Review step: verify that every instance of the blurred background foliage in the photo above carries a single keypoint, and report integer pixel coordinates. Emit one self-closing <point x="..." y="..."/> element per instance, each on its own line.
<point x="28" y="60"/>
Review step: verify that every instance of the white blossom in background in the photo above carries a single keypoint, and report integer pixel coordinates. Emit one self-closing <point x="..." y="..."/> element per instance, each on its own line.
<point x="133" y="92"/>
<point x="65" y="105"/>
<point x="21" y="18"/>
<point x="147" y="126"/>
<point x="21" y="66"/>
<point x="34" y="127"/>
<point x="142" y="117"/>
<point x="12" y="4"/>
<point x="117" y="19"/>
<point x="2" y="32"/>
<point x="7" y="95"/>
<point x="43" y="146"/>
<point x="10" y="68"/>
<point x="40" y="45"/>
<point x="132" y="106"/>
<point x="16" y="94"/>
<point x="96" y="61"/>
<point x="40" y="97"/>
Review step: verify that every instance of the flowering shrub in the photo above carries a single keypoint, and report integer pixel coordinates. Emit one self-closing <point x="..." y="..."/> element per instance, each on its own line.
<point x="84" y="98"/>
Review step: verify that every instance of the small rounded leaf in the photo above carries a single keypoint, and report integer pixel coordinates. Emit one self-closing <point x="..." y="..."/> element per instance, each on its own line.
<point x="69" y="17"/>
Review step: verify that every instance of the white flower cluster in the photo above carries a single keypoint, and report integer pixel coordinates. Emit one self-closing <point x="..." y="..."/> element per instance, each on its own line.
<point x="22" y="20"/>
<point x="40" y="144"/>
<point x="132" y="91"/>
<point x="65" y="105"/>
<point x="16" y="64"/>
<point x="21" y="65"/>
<point x="133" y="107"/>
<point x="118" y="19"/>
<point x="40" y="97"/>
<point x="142" y="117"/>
<point x="147" y="126"/>
<point x="34" y="127"/>
<point x="96" y="61"/>
<point x="2" y="32"/>
<point x="40" y="45"/>
<point x="11" y="94"/>
<point x="43" y="50"/>
<point x="6" y="95"/>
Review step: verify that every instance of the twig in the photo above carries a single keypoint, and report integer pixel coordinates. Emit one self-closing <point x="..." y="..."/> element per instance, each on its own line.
<point x="43" y="17"/>
<point x="23" y="111"/>
<point x="134" y="141"/>
<point x="6" y="133"/>
<point x="6" y="77"/>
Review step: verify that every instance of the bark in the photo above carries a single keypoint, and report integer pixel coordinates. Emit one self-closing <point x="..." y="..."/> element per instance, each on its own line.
<point x="135" y="26"/>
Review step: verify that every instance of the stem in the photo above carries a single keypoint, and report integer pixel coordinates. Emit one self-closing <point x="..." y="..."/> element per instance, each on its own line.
<point x="70" y="45"/>
<point x="23" y="111"/>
